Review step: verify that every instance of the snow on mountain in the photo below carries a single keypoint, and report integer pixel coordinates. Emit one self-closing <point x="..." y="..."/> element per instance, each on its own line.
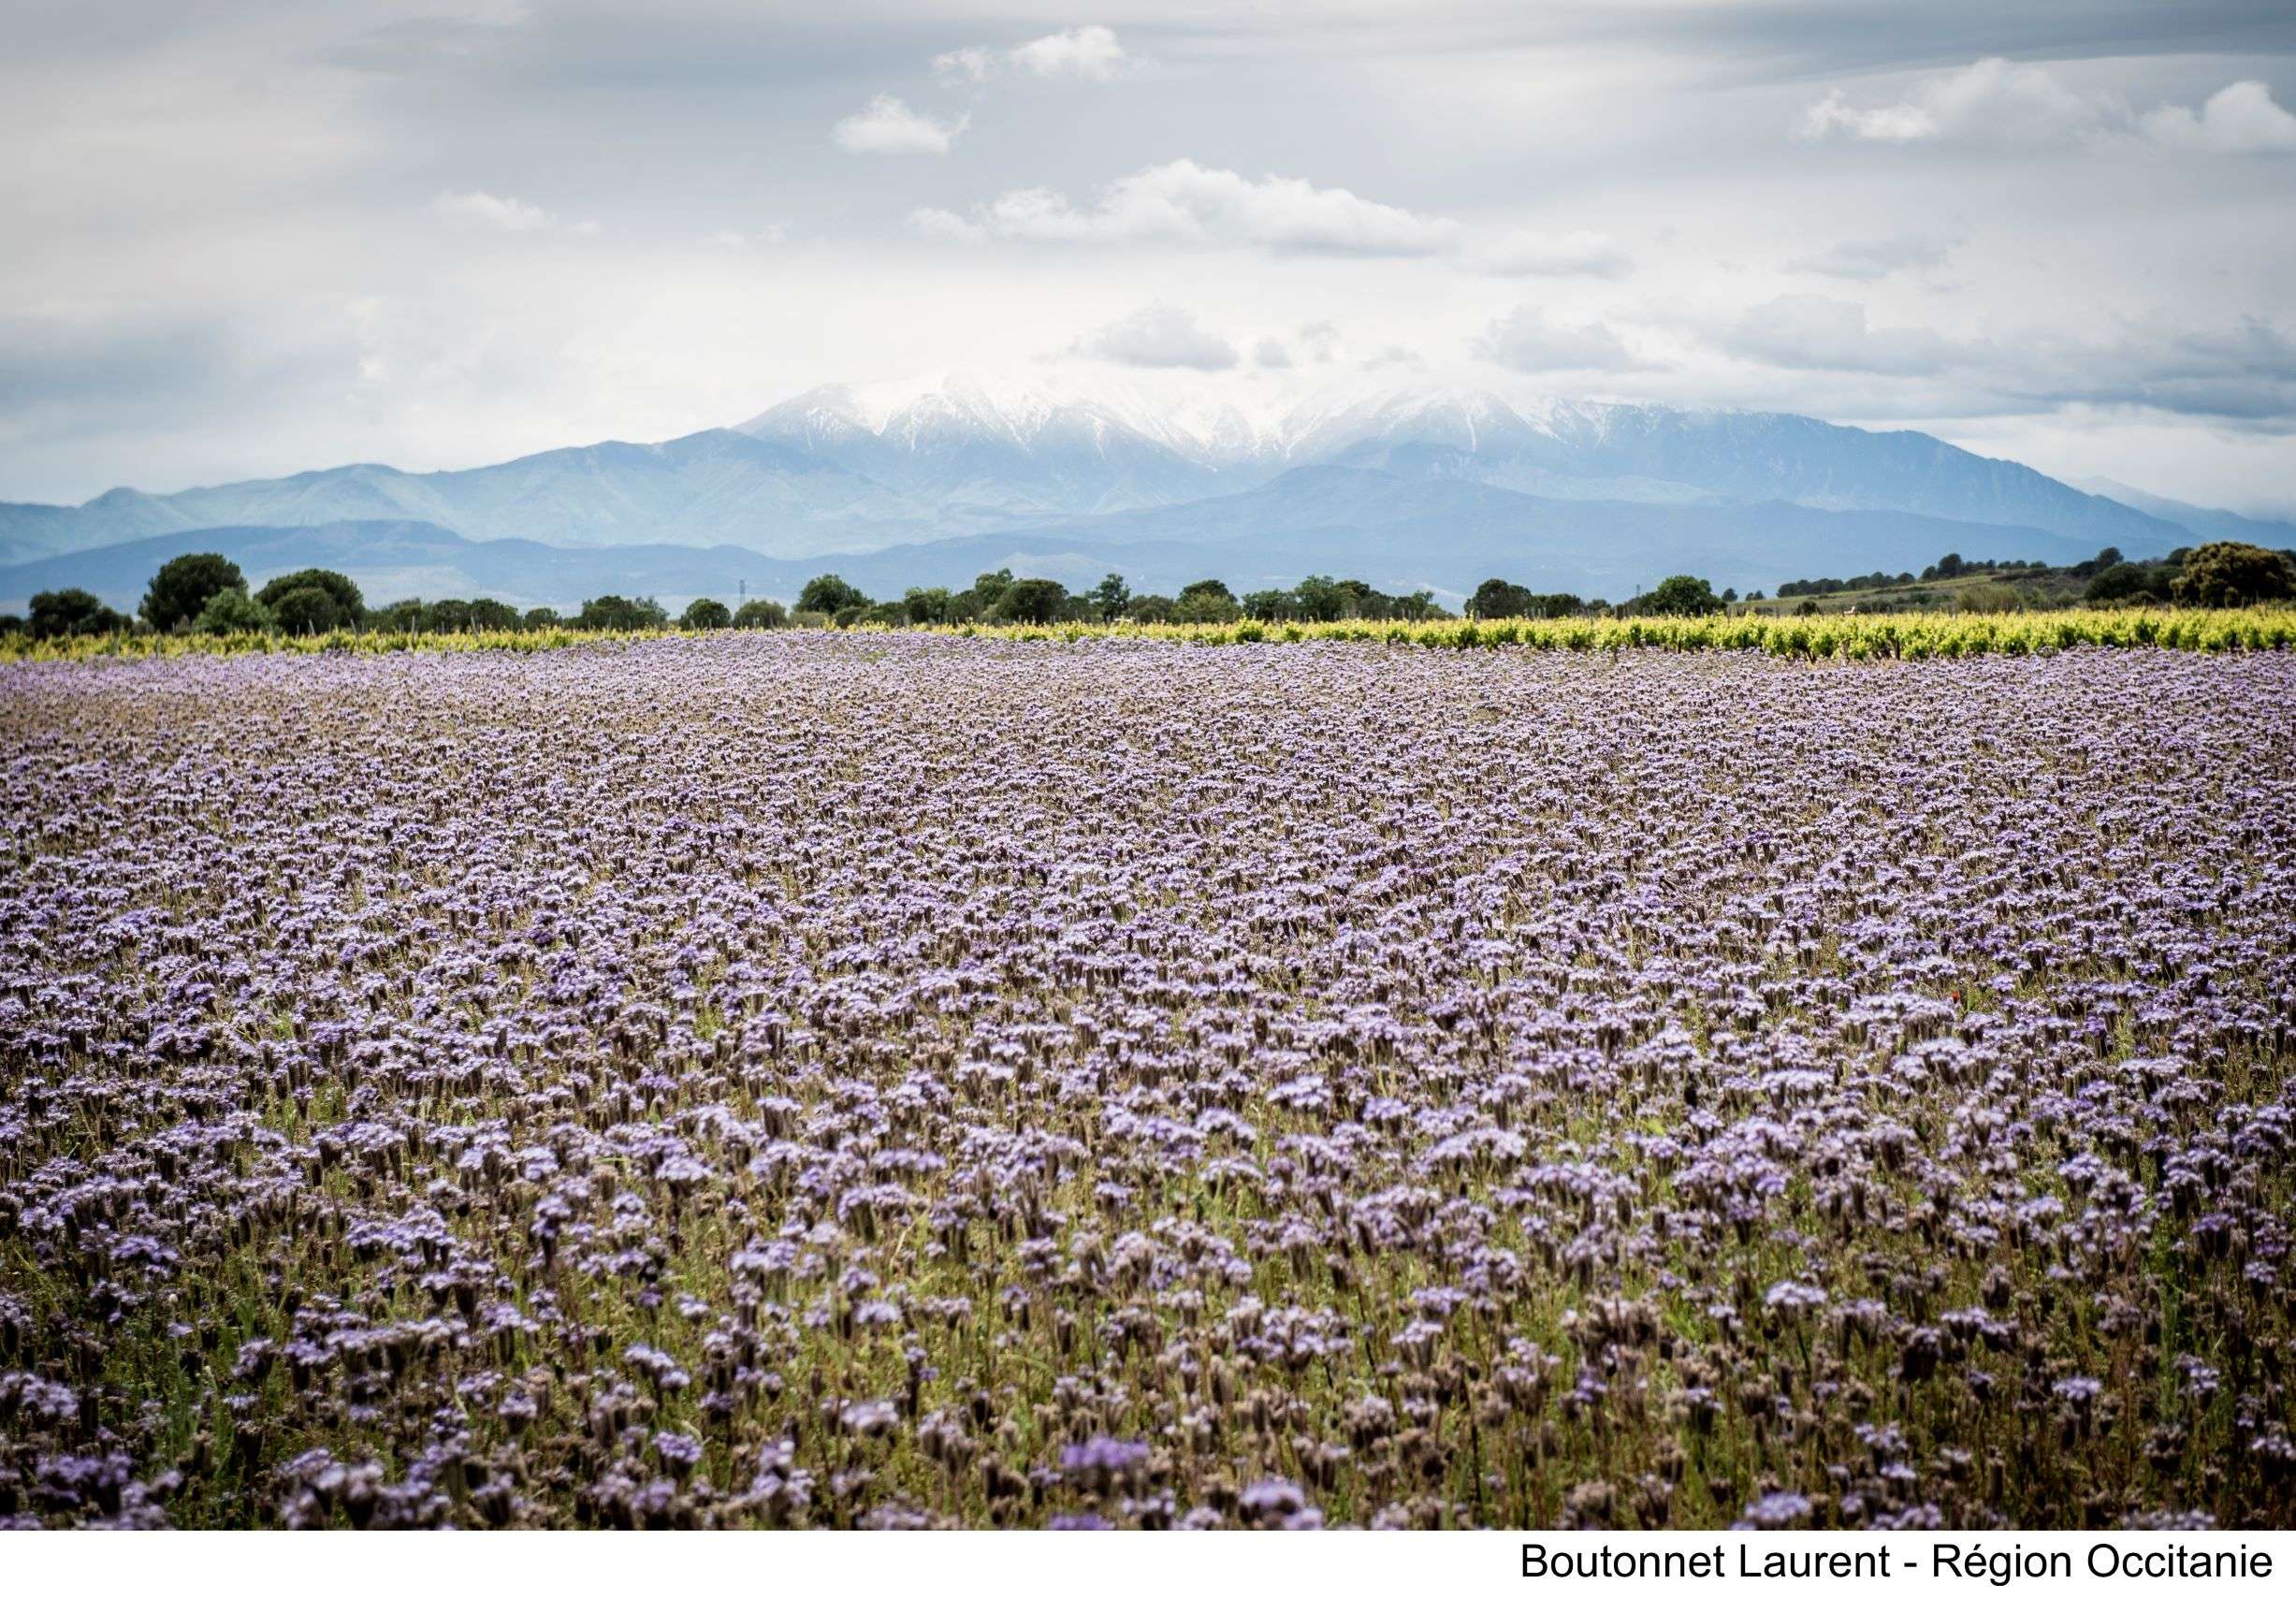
<point x="961" y="453"/>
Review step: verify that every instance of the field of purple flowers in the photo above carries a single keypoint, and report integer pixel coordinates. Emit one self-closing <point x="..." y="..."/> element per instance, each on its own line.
<point x="890" y="1080"/>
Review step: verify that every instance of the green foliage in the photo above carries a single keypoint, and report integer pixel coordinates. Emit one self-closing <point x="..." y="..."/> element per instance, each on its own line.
<point x="491" y="615"/>
<point x="2219" y="574"/>
<point x="761" y="613"/>
<point x="925" y="607"/>
<point x="830" y="593"/>
<point x="1988" y="598"/>
<point x="229" y="611"/>
<point x="540" y="617"/>
<point x="1031" y="600"/>
<point x="2122" y="582"/>
<point x="1682" y="595"/>
<point x="1206" y="603"/>
<point x="400" y="615"/>
<point x="182" y="588"/>
<point x="71" y="613"/>
<point x="612" y="613"/>
<point x="1108" y="597"/>
<point x="447" y="615"/>
<point x="306" y="609"/>
<point x="705" y="616"/>
<point x="350" y="605"/>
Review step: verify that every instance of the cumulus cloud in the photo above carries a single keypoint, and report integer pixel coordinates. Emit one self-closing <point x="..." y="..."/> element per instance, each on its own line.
<point x="888" y="127"/>
<point x="1527" y="340"/>
<point x="1989" y="99"/>
<point x="1091" y="53"/>
<point x="1180" y="202"/>
<point x="1161" y="337"/>
<point x="2241" y="119"/>
<point x="1521" y="254"/>
<point x="477" y="209"/>
<point x="2001" y="101"/>
<point x="1871" y="260"/>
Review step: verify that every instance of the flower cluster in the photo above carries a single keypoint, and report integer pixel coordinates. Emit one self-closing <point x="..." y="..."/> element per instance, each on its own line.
<point x="803" y="1080"/>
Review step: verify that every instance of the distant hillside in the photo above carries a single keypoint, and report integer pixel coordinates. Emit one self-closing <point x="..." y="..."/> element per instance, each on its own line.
<point x="840" y="471"/>
<point x="1396" y="534"/>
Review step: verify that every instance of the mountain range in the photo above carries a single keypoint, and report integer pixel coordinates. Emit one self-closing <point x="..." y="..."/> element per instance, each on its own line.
<point x="934" y="481"/>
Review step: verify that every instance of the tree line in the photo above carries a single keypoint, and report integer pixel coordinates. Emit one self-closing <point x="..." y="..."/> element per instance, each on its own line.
<point x="207" y="593"/>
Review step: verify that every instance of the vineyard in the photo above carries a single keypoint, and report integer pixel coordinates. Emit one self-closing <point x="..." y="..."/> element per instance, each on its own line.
<point x="1833" y="637"/>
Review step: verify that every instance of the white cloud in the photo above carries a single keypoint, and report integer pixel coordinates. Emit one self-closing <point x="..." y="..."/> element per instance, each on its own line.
<point x="1091" y="52"/>
<point x="1522" y="253"/>
<point x="1989" y="99"/>
<point x="1180" y="202"/>
<point x="1527" y="339"/>
<point x="2001" y="101"/>
<point x="1871" y="260"/>
<point x="1160" y="336"/>
<point x="477" y="209"/>
<point x="1270" y="354"/>
<point x="888" y="127"/>
<point x="934" y="222"/>
<point x="2239" y="118"/>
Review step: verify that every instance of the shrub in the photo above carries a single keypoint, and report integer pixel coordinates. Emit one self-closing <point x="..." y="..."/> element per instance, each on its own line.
<point x="2227" y="574"/>
<point x="705" y="616"/>
<point x="232" y="610"/>
<point x="761" y="613"/>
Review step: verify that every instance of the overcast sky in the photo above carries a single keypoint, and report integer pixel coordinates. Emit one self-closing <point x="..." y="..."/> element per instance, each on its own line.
<point x="240" y="240"/>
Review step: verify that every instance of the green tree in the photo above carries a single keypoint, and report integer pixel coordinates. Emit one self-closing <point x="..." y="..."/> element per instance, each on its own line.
<point x="612" y="613"/>
<point x="350" y="604"/>
<point x="2229" y="573"/>
<point x="2118" y="583"/>
<point x="830" y="593"/>
<point x="446" y="615"/>
<point x="1206" y="601"/>
<point x="1032" y="600"/>
<point x="989" y="588"/>
<point x="1108" y="597"/>
<point x="400" y="615"/>
<point x="541" y="615"/>
<point x="180" y="589"/>
<point x="761" y="613"/>
<point x="705" y="616"/>
<point x="493" y="616"/>
<point x="1495" y="598"/>
<point x="1682" y="595"/>
<point x="1269" y="605"/>
<point x="232" y="610"/>
<point x="1320" y="598"/>
<point x="1150" y="608"/>
<point x="306" y="609"/>
<point x="70" y="613"/>
<point x="925" y="607"/>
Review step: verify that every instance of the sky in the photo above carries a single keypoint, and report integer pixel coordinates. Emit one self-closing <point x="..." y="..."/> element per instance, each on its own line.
<point x="242" y="239"/>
